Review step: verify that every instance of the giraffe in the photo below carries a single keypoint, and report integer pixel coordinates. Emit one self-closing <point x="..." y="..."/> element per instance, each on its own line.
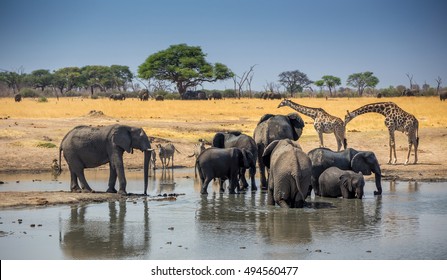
<point x="323" y="122"/>
<point x="395" y="119"/>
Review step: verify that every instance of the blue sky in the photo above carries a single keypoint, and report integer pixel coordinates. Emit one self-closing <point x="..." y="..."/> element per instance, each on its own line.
<point x="317" y="37"/>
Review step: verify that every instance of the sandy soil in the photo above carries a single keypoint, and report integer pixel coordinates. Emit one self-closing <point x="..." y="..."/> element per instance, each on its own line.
<point x="19" y="140"/>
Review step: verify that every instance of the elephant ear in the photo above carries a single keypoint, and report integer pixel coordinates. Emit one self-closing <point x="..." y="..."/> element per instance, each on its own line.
<point x="219" y="140"/>
<point x="345" y="181"/>
<point x="121" y="137"/>
<point x="360" y="164"/>
<point x="297" y="125"/>
<point x="268" y="153"/>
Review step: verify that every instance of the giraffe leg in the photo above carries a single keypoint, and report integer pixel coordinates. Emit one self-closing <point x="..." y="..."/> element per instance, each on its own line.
<point x="392" y="148"/>
<point x="409" y="152"/>
<point x="413" y="140"/>
<point x="338" y="142"/>
<point x="320" y="135"/>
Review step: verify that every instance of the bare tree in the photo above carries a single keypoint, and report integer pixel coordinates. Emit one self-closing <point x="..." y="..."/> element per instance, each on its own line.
<point x="438" y="86"/>
<point x="410" y="77"/>
<point x="239" y="81"/>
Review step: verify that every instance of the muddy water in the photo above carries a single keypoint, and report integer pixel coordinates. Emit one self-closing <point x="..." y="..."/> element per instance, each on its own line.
<point x="408" y="221"/>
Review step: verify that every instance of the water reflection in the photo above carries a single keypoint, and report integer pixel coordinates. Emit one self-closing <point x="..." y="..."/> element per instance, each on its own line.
<point x="166" y="181"/>
<point x="89" y="236"/>
<point x="408" y="221"/>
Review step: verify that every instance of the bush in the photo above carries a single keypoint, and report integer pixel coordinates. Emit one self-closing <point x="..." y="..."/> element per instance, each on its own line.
<point x="29" y="92"/>
<point x="46" y="145"/>
<point x="42" y="99"/>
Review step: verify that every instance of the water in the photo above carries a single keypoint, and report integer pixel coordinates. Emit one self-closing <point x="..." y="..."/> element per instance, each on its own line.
<point x="408" y="221"/>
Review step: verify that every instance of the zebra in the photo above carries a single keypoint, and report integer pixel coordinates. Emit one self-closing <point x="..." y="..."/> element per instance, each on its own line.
<point x="198" y="148"/>
<point x="165" y="153"/>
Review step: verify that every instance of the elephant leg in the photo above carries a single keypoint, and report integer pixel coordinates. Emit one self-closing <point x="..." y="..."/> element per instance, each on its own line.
<point x="119" y="167"/>
<point x="84" y="185"/>
<point x="112" y="179"/>
<point x="252" y="172"/>
<point x="243" y="181"/>
<point x="221" y="185"/>
<point x="270" y="198"/>
<point x="74" y="187"/>
<point x="262" y="171"/>
<point x="205" y="185"/>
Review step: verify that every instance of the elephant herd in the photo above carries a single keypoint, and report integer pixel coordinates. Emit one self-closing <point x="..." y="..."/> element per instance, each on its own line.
<point x="291" y="173"/>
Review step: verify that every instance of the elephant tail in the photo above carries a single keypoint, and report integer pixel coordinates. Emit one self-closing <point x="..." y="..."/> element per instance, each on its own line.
<point x="299" y="190"/>
<point x="59" y="170"/>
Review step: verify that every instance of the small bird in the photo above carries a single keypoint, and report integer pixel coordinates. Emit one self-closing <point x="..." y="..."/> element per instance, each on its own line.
<point x="55" y="167"/>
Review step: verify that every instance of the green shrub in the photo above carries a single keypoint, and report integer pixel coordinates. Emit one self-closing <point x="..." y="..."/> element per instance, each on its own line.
<point x="42" y="99"/>
<point x="29" y="92"/>
<point x="46" y="145"/>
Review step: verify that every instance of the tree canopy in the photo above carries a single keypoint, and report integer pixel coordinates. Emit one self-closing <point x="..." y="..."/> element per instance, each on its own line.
<point x="183" y="65"/>
<point x="362" y="81"/>
<point x="331" y="82"/>
<point x="294" y="81"/>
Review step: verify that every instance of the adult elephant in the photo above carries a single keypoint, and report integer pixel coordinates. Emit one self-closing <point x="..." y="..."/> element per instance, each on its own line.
<point x="117" y="96"/>
<point x="290" y="170"/>
<point x="222" y="164"/>
<point x="275" y="127"/>
<point x="88" y="147"/>
<point x="349" y="159"/>
<point x="335" y="182"/>
<point x="236" y="139"/>
<point x="443" y="96"/>
<point x="144" y="95"/>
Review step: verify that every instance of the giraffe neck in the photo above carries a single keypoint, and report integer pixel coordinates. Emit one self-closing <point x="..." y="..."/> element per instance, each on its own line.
<point x="382" y="108"/>
<point x="308" y="111"/>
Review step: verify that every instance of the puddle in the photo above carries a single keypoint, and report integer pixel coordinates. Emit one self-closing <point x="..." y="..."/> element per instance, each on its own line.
<point x="408" y="221"/>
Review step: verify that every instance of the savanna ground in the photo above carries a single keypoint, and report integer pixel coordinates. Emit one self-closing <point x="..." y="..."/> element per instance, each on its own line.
<point x="31" y="131"/>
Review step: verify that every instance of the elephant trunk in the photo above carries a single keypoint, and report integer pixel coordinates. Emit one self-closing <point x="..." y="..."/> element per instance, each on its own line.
<point x="147" y="157"/>
<point x="378" y="176"/>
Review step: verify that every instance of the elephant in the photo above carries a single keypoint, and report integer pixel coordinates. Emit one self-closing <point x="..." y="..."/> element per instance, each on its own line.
<point x="117" y="96"/>
<point x="349" y="159"/>
<point x="443" y="96"/>
<point x="88" y="147"/>
<point x="290" y="170"/>
<point x="215" y="95"/>
<point x="275" y="127"/>
<point x="144" y="95"/>
<point x="223" y="164"/>
<point x="239" y="140"/>
<point x="335" y="182"/>
<point x="159" y="98"/>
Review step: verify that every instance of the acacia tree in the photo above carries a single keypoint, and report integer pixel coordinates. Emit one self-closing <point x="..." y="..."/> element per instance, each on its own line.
<point x="183" y="65"/>
<point x="67" y="78"/>
<point x="41" y="78"/>
<point x="331" y="82"/>
<point x="362" y="81"/>
<point x="294" y="81"/>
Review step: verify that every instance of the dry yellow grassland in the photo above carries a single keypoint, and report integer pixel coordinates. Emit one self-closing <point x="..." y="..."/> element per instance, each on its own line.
<point x="229" y="114"/>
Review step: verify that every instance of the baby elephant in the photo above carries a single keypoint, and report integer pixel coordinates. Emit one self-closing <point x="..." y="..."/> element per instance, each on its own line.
<point x="335" y="182"/>
<point x="223" y="164"/>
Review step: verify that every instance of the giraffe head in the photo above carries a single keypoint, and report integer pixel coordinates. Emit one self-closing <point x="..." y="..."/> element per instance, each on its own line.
<point x="349" y="116"/>
<point x="283" y="103"/>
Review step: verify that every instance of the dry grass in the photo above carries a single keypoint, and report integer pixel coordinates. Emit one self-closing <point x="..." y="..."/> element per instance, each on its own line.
<point x="190" y="120"/>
